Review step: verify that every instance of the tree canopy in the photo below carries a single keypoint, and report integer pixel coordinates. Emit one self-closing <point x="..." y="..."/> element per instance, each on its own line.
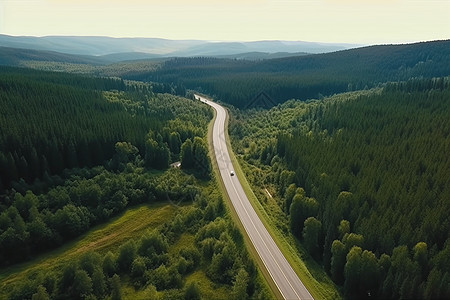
<point x="371" y="167"/>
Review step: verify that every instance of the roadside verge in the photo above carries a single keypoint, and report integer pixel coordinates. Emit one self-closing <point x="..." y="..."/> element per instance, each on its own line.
<point x="248" y="244"/>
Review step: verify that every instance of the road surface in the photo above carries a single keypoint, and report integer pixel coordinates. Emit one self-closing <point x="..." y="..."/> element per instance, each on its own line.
<point x="276" y="264"/>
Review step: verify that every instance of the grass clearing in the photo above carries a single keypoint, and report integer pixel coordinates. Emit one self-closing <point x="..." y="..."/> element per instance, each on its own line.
<point x="208" y="289"/>
<point x="129" y="292"/>
<point x="101" y="239"/>
<point x="183" y="242"/>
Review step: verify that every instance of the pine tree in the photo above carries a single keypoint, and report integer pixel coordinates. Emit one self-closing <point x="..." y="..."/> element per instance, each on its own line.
<point x="186" y="155"/>
<point x="240" y="285"/>
<point x="116" y="288"/>
<point x="41" y="294"/>
<point x="311" y="235"/>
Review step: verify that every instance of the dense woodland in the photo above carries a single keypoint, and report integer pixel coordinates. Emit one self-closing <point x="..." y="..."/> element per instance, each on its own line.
<point x="53" y="121"/>
<point x="147" y="260"/>
<point x="302" y="77"/>
<point x="76" y="151"/>
<point x="57" y="126"/>
<point x="359" y="178"/>
<point x="362" y="178"/>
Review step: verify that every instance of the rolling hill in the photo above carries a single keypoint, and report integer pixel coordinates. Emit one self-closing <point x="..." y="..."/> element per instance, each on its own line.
<point x="307" y="76"/>
<point x="98" y="46"/>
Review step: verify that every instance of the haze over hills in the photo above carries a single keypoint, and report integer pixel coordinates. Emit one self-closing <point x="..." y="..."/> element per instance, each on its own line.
<point x="351" y="144"/>
<point x="300" y="76"/>
<point x="303" y="77"/>
<point x="155" y="47"/>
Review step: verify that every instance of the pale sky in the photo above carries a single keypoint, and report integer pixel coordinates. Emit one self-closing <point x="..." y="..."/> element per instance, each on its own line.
<point x="346" y="21"/>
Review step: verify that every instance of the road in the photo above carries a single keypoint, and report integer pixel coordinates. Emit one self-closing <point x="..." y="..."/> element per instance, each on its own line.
<point x="276" y="264"/>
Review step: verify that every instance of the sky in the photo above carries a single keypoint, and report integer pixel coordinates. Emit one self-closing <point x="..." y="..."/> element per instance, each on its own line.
<point x="335" y="21"/>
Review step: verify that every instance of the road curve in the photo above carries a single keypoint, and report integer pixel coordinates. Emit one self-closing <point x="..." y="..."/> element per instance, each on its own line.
<point x="276" y="264"/>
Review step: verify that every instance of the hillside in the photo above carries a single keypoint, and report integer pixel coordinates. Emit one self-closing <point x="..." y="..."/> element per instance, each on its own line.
<point x="304" y="77"/>
<point x="353" y="173"/>
<point x="104" y="64"/>
<point x="251" y="74"/>
<point x="360" y="179"/>
<point x="52" y="121"/>
<point x="169" y="243"/>
<point x="100" y="45"/>
<point x="16" y="56"/>
<point x="89" y="206"/>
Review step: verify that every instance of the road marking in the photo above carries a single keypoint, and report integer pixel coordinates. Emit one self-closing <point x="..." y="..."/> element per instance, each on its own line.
<point x="264" y="242"/>
<point x="221" y="121"/>
<point x="245" y="227"/>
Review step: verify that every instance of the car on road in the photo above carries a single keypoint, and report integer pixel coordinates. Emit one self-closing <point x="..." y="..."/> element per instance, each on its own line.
<point x="232" y="173"/>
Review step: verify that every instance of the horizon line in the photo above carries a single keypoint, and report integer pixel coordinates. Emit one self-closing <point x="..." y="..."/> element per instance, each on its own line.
<point x="354" y="44"/>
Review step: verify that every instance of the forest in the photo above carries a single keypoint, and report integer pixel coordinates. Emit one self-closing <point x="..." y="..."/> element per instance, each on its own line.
<point x="349" y="159"/>
<point x="56" y="126"/>
<point x="302" y="77"/>
<point x="150" y="263"/>
<point x="53" y="121"/>
<point x="361" y="179"/>
<point x="78" y="151"/>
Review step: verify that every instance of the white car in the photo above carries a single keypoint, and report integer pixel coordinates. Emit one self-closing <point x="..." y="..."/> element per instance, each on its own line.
<point x="232" y="173"/>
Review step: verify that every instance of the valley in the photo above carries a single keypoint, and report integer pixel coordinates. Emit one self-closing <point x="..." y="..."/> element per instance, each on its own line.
<point x="343" y="157"/>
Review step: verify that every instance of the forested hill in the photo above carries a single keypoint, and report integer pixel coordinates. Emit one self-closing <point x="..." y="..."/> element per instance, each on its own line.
<point x="240" y="81"/>
<point x="304" y="77"/>
<point x="16" y="57"/>
<point x="362" y="178"/>
<point x="53" y="121"/>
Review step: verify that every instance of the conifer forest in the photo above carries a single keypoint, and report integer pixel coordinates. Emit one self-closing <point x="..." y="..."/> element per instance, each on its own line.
<point x="109" y="187"/>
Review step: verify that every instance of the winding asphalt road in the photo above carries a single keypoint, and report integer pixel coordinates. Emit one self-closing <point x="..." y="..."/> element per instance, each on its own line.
<point x="276" y="264"/>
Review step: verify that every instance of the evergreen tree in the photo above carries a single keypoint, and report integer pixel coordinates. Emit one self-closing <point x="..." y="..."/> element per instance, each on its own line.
<point x="82" y="284"/>
<point x="301" y="208"/>
<point x="338" y="260"/>
<point x="186" y="155"/>
<point x="41" y="294"/>
<point x="201" y="157"/>
<point x="116" y="288"/>
<point x="240" y="285"/>
<point x="192" y="292"/>
<point x="311" y="235"/>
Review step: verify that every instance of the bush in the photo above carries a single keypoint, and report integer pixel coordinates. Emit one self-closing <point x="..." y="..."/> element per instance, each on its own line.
<point x="109" y="264"/>
<point x="192" y="292"/>
<point x="127" y="253"/>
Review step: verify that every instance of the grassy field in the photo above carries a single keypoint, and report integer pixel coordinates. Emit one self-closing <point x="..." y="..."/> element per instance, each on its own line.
<point x="101" y="239"/>
<point x="108" y="237"/>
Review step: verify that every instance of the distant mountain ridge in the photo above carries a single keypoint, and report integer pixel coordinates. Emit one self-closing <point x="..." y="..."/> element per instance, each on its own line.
<point x="15" y="57"/>
<point x="304" y="76"/>
<point x="100" y="46"/>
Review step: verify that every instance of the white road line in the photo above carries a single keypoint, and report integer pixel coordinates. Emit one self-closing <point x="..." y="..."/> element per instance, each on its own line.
<point x="225" y="167"/>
